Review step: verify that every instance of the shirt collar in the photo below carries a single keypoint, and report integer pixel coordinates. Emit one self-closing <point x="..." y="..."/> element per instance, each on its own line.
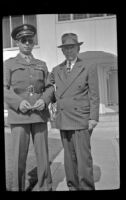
<point x="73" y="61"/>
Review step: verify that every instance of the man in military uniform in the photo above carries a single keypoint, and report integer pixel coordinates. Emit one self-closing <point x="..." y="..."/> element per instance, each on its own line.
<point x="28" y="93"/>
<point x="77" y="95"/>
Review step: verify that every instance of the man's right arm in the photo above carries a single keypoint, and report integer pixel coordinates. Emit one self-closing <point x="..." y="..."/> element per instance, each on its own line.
<point x="10" y="97"/>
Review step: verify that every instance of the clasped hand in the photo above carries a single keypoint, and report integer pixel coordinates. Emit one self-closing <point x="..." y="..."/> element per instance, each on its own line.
<point x="25" y="105"/>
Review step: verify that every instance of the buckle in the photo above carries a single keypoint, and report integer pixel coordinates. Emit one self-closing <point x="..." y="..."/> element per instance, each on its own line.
<point x="31" y="90"/>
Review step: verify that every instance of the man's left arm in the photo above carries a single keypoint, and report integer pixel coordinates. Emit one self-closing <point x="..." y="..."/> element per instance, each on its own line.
<point x="93" y="96"/>
<point x="48" y="93"/>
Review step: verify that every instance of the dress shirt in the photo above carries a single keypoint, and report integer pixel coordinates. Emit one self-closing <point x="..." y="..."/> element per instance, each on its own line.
<point x="70" y="64"/>
<point x="26" y="57"/>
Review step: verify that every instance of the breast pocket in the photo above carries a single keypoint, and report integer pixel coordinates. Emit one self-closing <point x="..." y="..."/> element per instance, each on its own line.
<point x="18" y="74"/>
<point x="39" y="73"/>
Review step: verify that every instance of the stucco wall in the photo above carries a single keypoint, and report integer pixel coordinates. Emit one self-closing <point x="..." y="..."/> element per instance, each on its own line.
<point x="97" y="34"/>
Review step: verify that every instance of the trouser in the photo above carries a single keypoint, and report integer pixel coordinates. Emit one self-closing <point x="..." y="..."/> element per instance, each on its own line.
<point x="21" y="140"/>
<point x="78" y="161"/>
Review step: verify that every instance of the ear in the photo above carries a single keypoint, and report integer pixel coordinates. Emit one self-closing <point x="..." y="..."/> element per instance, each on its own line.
<point x="63" y="50"/>
<point x="17" y="43"/>
<point x="78" y="49"/>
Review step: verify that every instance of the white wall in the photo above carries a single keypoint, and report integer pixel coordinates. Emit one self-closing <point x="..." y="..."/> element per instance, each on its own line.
<point x="97" y="34"/>
<point x="47" y="39"/>
<point x="8" y="53"/>
<point x="106" y="35"/>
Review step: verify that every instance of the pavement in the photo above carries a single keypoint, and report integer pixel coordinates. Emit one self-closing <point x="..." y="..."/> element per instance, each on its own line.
<point x="105" y="153"/>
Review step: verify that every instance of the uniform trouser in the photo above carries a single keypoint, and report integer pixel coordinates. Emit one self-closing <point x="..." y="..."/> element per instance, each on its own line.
<point x="77" y="159"/>
<point x="21" y="140"/>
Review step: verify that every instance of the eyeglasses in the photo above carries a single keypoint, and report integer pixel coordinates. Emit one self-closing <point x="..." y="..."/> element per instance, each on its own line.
<point x="24" y="40"/>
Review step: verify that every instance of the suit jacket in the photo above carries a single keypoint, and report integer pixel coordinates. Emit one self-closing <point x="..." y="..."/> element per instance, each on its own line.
<point x="77" y="95"/>
<point x="18" y="76"/>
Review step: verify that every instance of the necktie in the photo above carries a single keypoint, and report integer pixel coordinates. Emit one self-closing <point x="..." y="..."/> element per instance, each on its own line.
<point x="28" y="59"/>
<point x="69" y="67"/>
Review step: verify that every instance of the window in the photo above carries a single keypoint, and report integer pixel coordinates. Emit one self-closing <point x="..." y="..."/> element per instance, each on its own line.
<point x="10" y="22"/>
<point x="69" y="17"/>
<point x="64" y="17"/>
<point x="96" y="15"/>
<point x="80" y="16"/>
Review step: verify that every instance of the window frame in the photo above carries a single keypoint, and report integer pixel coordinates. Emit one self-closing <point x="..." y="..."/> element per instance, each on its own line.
<point x="105" y="16"/>
<point x="11" y="40"/>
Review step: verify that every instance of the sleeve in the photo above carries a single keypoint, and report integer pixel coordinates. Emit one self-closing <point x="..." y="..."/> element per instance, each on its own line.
<point x="52" y="77"/>
<point x="93" y="92"/>
<point x="48" y="94"/>
<point x="10" y="97"/>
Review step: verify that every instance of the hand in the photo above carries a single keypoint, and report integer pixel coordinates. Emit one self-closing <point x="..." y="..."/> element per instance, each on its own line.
<point x="92" y="124"/>
<point x="24" y="106"/>
<point x="39" y="105"/>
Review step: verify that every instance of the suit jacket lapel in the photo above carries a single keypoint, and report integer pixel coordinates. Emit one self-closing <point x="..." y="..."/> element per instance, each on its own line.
<point x="62" y="77"/>
<point x="69" y="79"/>
<point x="62" y="72"/>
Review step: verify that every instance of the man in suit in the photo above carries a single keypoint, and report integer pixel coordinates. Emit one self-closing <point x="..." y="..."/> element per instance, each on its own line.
<point x="77" y="99"/>
<point x="27" y="93"/>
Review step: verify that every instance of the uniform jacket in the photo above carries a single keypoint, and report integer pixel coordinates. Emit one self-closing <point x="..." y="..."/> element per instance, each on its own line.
<point x="77" y="95"/>
<point x="18" y="76"/>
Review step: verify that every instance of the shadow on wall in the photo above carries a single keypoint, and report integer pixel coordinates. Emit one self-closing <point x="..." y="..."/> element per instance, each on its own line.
<point x="98" y="57"/>
<point x="109" y="61"/>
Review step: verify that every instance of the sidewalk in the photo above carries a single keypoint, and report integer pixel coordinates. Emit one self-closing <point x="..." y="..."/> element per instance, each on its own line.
<point x="105" y="153"/>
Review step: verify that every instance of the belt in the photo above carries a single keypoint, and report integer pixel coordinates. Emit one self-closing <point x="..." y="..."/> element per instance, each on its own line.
<point x="32" y="90"/>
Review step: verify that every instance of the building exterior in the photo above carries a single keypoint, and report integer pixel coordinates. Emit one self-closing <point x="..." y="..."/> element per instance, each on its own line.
<point x="97" y="31"/>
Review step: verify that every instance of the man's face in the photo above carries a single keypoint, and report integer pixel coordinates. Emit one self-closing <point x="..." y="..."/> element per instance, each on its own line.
<point x="26" y="45"/>
<point x="70" y="51"/>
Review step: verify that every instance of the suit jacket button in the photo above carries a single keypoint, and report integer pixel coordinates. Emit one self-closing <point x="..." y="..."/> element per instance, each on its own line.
<point x="75" y="108"/>
<point x="61" y="109"/>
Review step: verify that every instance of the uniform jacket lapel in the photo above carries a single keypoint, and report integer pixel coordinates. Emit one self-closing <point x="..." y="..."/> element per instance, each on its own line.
<point x="20" y="60"/>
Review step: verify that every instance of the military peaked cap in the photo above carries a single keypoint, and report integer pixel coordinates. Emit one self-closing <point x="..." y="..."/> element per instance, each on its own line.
<point x="23" y="30"/>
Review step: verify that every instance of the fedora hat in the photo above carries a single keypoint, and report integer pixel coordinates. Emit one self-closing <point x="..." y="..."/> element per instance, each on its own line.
<point x="22" y="31"/>
<point x="70" y="39"/>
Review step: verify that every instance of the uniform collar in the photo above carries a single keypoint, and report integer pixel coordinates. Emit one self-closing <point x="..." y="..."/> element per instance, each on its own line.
<point x="21" y="59"/>
<point x="26" y="56"/>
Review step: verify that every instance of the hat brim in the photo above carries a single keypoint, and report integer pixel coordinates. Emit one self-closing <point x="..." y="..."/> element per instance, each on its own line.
<point x="64" y="45"/>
